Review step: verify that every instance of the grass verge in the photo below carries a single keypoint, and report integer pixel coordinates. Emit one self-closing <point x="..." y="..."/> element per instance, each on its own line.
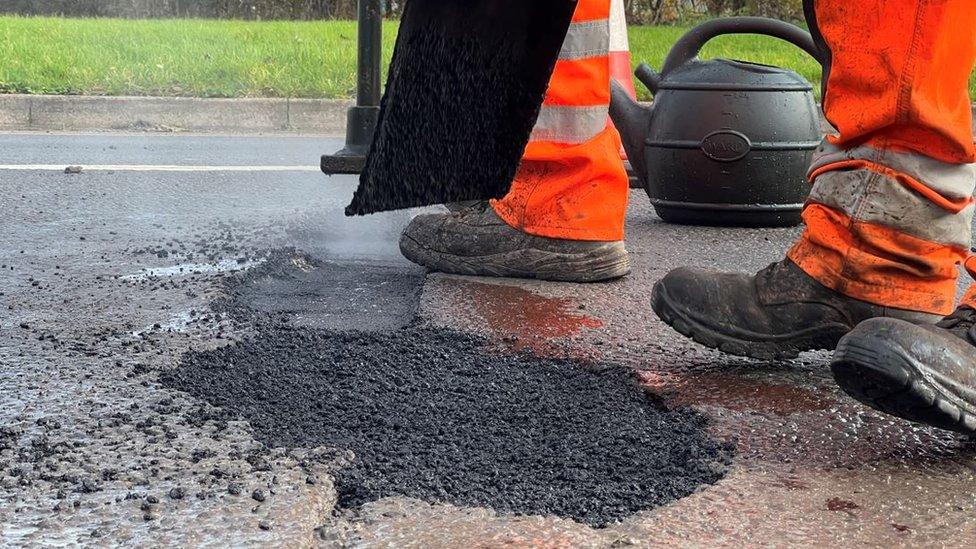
<point x="208" y="58"/>
<point x="197" y="58"/>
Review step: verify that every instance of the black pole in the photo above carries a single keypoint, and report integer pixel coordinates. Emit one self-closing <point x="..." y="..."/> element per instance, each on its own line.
<point x="370" y="52"/>
<point x="361" y="119"/>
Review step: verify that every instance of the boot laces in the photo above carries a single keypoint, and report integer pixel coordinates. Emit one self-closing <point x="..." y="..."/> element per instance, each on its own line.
<point x="960" y="322"/>
<point x="773" y="269"/>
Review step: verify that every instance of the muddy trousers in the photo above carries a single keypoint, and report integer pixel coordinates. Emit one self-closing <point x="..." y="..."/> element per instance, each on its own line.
<point x="571" y="183"/>
<point x="889" y="215"/>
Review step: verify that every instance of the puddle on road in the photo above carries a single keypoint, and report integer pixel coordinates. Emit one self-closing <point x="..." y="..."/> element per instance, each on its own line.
<point x="814" y="427"/>
<point x="526" y="320"/>
<point x="734" y="392"/>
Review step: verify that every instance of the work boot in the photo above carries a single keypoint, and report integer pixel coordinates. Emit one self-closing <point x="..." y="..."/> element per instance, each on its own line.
<point x="925" y="374"/>
<point x="475" y="241"/>
<point x="778" y="313"/>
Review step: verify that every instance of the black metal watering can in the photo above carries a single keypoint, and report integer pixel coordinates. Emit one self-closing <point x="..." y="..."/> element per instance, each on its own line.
<point x="725" y="142"/>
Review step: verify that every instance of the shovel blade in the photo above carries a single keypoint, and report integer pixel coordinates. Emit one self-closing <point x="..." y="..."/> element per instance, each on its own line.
<point x="464" y="90"/>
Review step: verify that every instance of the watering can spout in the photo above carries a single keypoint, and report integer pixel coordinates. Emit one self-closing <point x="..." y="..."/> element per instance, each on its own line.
<point x="633" y="122"/>
<point x="648" y="76"/>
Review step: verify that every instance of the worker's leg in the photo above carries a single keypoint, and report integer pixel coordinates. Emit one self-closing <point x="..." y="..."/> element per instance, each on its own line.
<point x="572" y="184"/>
<point x="890" y="210"/>
<point x="563" y="218"/>
<point x="891" y="207"/>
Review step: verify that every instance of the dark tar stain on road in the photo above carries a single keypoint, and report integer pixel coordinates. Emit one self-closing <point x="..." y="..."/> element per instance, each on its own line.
<point x="304" y="291"/>
<point x="437" y="415"/>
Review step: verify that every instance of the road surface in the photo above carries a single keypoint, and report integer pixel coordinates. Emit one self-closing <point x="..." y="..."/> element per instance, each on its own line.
<point x="116" y="277"/>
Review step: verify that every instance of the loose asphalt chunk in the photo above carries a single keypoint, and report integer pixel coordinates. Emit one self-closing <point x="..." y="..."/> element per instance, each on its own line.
<point x="442" y="416"/>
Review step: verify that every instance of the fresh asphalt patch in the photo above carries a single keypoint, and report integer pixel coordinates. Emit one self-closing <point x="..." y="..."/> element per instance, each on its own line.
<point x="440" y="415"/>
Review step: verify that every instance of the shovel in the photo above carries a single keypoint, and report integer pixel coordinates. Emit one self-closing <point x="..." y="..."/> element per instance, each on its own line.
<point x="464" y="90"/>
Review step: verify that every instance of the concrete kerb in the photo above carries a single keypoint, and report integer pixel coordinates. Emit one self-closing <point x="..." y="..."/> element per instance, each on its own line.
<point x="177" y="114"/>
<point x="172" y="114"/>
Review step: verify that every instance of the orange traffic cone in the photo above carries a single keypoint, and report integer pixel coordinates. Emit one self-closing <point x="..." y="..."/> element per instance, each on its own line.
<point x="620" y="48"/>
<point x="620" y="52"/>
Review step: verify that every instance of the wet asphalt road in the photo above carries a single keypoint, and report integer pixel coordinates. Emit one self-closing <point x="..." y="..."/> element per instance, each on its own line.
<point x="108" y="278"/>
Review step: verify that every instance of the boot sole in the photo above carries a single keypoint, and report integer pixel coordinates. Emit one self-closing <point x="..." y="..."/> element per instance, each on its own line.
<point x="888" y="379"/>
<point x="747" y="344"/>
<point x="605" y="262"/>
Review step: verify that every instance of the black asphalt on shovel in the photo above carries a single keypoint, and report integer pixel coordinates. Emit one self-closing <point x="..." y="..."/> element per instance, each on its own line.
<point x="467" y="80"/>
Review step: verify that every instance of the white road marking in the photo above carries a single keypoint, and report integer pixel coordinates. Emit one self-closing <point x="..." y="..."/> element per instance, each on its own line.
<point x="154" y="168"/>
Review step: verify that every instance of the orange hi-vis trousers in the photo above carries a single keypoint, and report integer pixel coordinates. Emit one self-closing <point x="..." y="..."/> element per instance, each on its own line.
<point x="571" y="183"/>
<point x="890" y="212"/>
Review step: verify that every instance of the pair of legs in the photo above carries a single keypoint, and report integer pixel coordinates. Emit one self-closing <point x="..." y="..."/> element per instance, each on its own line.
<point x="887" y="224"/>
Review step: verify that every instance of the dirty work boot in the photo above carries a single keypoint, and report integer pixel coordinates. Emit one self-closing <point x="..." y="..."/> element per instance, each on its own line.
<point x="475" y="241"/>
<point x="925" y="374"/>
<point x="778" y="313"/>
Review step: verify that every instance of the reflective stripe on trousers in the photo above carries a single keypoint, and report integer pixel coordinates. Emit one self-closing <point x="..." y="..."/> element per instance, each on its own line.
<point x="576" y="105"/>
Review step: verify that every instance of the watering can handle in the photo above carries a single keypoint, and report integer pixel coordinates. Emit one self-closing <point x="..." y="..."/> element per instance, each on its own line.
<point x="688" y="46"/>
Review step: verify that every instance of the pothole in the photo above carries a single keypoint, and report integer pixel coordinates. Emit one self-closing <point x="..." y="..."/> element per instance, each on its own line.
<point x="438" y="415"/>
